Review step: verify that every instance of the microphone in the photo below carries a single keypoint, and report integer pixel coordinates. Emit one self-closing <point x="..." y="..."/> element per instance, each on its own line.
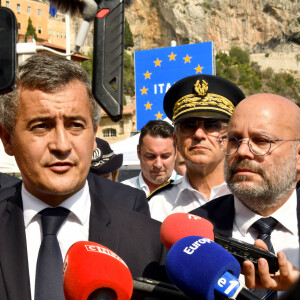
<point x="179" y="225"/>
<point x="200" y="268"/>
<point x="93" y="272"/>
<point x="88" y="10"/>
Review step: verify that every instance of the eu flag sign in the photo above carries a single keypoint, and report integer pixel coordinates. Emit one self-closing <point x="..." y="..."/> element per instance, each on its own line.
<point x="157" y="69"/>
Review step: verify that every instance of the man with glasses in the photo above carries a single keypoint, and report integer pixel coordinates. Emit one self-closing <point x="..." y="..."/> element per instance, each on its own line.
<point x="200" y="107"/>
<point x="262" y="163"/>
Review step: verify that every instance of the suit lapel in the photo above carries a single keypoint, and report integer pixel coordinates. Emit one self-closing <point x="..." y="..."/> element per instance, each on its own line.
<point x="13" y="249"/>
<point x="101" y="229"/>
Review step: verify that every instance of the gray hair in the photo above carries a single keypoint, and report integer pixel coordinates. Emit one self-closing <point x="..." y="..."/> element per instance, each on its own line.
<point x="48" y="74"/>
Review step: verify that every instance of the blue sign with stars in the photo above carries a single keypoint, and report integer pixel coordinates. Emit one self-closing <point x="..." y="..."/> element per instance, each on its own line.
<point x="157" y="69"/>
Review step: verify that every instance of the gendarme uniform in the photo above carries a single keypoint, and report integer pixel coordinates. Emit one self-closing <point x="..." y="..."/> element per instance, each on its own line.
<point x="198" y="96"/>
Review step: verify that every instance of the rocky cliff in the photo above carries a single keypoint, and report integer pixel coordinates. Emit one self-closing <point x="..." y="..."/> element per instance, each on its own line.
<point x="256" y="25"/>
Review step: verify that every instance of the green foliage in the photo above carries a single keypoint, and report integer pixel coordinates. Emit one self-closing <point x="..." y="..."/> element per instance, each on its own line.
<point x="239" y="55"/>
<point x="30" y="30"/>
<point x="237" y="68"/>
<point x="128" y="40"/>
<point x="87" y="65"/>
<point x="129" y="83"/>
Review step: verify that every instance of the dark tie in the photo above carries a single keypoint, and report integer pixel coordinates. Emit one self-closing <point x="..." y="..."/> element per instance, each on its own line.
<point x="48" y="281"/>
<point x="264" y="227"/>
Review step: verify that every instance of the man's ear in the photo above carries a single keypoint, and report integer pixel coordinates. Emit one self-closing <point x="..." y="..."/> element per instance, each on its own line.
<point x="138" y="151"/>
<point x="298" y="161"/>
<point x="95" y="143"/>
<point x="6" y="138"/>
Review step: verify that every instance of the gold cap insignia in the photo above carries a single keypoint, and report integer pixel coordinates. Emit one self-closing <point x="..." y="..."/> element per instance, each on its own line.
<point x="201" y="89"/>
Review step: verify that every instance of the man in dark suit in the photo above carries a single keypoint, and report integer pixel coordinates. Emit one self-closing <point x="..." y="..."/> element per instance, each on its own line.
<point x="49" y="124"/>
<point x="262" y="161"/>
<point x="7" y="180"/>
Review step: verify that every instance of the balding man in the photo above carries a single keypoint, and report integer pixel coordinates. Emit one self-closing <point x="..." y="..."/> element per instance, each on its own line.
<point x="262" y="151"/>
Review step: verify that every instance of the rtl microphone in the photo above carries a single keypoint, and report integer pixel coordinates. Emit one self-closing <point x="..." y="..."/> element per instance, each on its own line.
<point x="202" y="269"/>
<point x="94" y="272"/>
<point x="179" y="225"/>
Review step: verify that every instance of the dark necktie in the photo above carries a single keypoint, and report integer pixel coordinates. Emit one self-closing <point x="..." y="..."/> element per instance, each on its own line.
<point x="264" y="227"/>
<point x="48" y="281"/>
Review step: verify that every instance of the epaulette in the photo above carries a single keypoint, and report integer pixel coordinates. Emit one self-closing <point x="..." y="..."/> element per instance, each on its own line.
<point x="162" y="187"/>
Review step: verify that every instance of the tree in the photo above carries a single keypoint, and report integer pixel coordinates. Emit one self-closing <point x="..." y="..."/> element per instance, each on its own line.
<point x="128" y="41"/>
<point x="30" y="31"/>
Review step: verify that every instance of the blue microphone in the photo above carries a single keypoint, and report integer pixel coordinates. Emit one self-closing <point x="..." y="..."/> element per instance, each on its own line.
<point x="202" y="269"/>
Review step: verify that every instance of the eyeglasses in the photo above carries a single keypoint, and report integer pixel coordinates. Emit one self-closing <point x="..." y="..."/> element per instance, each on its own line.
<point x="211" y="127"/>
<point x="258" y="144"/>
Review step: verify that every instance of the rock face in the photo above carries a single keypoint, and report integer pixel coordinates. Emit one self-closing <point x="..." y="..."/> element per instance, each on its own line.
<point x="256" y="25"/>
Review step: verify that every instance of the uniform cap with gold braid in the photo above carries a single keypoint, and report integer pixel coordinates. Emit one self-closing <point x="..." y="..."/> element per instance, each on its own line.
<point x="202" y="96"/>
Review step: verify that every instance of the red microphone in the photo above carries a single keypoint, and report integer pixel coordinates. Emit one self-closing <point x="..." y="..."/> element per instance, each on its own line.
<point x="92" y="271"/>
<point x="179" y="225"/>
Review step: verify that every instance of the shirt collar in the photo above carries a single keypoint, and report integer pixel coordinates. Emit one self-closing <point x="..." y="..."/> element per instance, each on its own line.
<point x="244" y="217"/>
<point x="217" y="191"/>
<point x="79" y="205"/>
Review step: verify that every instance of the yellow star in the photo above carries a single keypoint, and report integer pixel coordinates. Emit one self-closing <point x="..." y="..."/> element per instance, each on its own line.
<point x="172" y="56"/>
<point x="148" y="105"/>
<point x="198" y="69"/>
<point x="187" y="59"/>
<point x="159" y="116"/>
<point x="157" y="62"/>
<point x="144" y="90"/>
<point x="147" y="75"/>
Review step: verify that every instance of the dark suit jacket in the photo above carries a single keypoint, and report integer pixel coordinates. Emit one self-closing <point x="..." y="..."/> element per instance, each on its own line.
<point x="7" y="180"/>
<point x="133" y="236"/>
<point x="220" y="212"/>
<point x="135" y="199"/>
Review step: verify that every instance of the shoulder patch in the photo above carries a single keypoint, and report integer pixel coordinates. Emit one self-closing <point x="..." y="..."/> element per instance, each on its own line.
<point x="162" y="187"/>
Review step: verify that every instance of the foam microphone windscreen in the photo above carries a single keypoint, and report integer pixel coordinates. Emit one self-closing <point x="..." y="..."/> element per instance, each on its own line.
<point x="179" y="225"/>
<point x="89" y="266"/>
<point x="195" y="264"/>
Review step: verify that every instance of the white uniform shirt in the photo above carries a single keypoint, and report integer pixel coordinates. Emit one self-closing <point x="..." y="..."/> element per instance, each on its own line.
<point x="181" y="197"/>
<point x="138" y="182"/>
<point x="75" y="228"/>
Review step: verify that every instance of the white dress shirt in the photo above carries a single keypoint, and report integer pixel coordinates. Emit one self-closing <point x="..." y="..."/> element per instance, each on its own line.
<point x="283" y="238"/>
<point x="285" y="235"/>
<point x="181" y="197"/>
<point x="75" y="228"/>
<point x="138" y="182"/>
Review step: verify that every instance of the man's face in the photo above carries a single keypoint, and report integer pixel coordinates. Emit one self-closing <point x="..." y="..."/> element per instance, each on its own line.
<point x="261" y="181"/>
<point x="53" y="141"/>
<point x="199" y="146"/>
<point x="157" y="158"/>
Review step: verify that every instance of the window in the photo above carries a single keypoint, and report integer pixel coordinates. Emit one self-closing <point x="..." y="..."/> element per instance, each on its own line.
<point x="61" y="35"/>
<point x="40" y="30"/>
<point x="39" y="12"/>
<point x="57" y="34"/>
<point x="50" y="32"/>
<point x="18" y="8"/>
<point x="29" y="10"/>
<point x="54" y="33"/>
<point x="109" y="132"/>
<point x="7" y="4"/>
<point x="19" y="25"/>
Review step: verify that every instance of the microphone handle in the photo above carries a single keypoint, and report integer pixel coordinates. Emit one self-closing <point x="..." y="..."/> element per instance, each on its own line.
<point x="103" y="294"/>
<point x="245" y="294"/>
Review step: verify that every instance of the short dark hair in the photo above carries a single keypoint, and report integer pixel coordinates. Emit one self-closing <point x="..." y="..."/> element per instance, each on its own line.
<point x="157" y="128"/>
<point x="48" y="74"/>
